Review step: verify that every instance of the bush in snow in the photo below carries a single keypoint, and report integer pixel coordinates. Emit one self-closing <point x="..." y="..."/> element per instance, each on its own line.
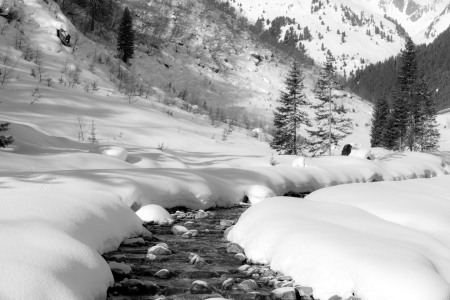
<point x="5" y="140"/>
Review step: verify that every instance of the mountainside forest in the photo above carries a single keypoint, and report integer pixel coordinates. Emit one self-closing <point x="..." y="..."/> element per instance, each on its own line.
<point x="377" y="80"/>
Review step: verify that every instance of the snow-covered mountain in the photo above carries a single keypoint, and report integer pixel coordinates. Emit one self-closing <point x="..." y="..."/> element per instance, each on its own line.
<point x="357" y="32"/>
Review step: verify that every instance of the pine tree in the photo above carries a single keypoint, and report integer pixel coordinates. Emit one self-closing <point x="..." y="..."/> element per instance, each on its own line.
<point x="380" y="117"/>
<point x="430" y="135"/>
<point x="125" y="39"/>
<point x="96" y="10"/>
<point x="5" y="140"/>
<point x="398" y="121"/>
<point x="289" y="116"/>
<point x="332" y="126"/>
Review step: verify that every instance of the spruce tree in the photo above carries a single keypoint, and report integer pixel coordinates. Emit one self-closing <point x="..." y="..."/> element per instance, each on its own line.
<point x="380" y="117"/>
<point x="429" y="135"/>
<point x="398" y="121"/>
<point x="125" y="39"/>
<point x="331" y="124"/>
<point x="289" y="116"/>
<point x="5" y="140"/>
<point x="96" y="10"/>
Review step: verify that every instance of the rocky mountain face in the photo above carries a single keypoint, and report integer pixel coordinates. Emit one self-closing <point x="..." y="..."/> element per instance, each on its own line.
<point x="356" y="32"/>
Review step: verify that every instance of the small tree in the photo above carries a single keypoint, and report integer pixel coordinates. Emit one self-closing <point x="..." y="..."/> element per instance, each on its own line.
<point x="430" y="135"/>
<point x="332" y="126"/>
<point x="289" y="116"/>
<point x="80" y="128"/>
<point x="380" y="117"/>
<point x="93" y="133"/>
<point x="5" y="140"/>
<point x="125" y="39"/>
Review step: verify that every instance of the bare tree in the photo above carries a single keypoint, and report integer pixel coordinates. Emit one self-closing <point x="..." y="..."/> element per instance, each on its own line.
<point x="80" y="128"/>
<point x="9" y="65"/>
<point x="78" y="40"/>
<point x="3" y="25"/>
<point x="36" y="95"/>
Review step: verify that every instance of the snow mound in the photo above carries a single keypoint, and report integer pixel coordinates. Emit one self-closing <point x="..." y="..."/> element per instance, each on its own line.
<point x="153" y="213"/>
<point x="112" y="151"/>
<point x="375" y="240"/>
<point x="360" y="153"/>
<point x="257" y="193"/>
<point x="54" y="239"/>
<point x="299" y="162"/>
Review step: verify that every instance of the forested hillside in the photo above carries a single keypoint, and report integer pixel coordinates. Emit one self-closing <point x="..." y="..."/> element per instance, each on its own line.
<point x="376" y="81"/>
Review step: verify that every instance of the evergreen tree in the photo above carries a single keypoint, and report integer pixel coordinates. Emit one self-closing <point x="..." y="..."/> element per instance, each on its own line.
<point x="332" y="126"/>
<point x="380" y="117"/>
<point x="5" y="140"/>
<point x="96" y="10"/>
<point x="430" y="135"/>
<point x="289" y="116"/>
<point x="398" y="121"/>
<point x="125" y="39"/>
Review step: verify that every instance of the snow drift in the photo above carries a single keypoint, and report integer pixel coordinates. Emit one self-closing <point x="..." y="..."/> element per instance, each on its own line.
<point x="51" y="242"/>
<point x="373" y="240"/>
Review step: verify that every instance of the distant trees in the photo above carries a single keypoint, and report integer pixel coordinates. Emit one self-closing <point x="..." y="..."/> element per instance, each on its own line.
<point x="411" y="122"/>
<point x="331" y="124"/>
<point x="289" y="116"/>
<point x="125" y="39"/>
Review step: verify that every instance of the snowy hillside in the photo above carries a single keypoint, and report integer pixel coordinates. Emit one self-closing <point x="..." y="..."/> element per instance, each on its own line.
<point x="86" y="155"/>
<point x="371" y="34"/>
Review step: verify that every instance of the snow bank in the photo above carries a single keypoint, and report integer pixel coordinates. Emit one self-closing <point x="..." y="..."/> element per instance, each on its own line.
<point x="208" y="187"/>
<point x="153" y="213"/>
<point x="112" y="151"/>
<point x="339" y="250"/>
<point x="257" y="193"/>
<point x="54" y="239"/>
<point x="375" y="240"/>
<point x="360" y="153"/>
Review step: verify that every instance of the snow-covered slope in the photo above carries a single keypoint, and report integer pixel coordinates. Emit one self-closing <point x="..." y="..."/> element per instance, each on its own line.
<point x="366" y="24"/>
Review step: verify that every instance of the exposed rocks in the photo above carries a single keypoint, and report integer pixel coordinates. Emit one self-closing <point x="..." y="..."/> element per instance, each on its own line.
<point x="163" y="274"/>
<point x="234" y="248"/>
<point x="146" y="235"/>
<point x="137" y="287"/>
<point x="134" y="241"/>
<point x="286" y="293"/>
<point x="241" y="257"/>
<point x="227" y="284"/>
<point x="160" y="249"/>
<point x="201" y="287"/>
<point x="179" y="230"/>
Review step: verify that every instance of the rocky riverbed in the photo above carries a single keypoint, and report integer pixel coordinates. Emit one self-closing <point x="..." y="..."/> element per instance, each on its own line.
<point x="191" y="259"/>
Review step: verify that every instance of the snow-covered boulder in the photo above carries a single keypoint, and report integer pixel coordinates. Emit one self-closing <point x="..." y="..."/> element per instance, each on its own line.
<point x="257" y="193"/>
<point x="360" y="153"/>
<point x="299" y="162"/>
<point x="153" y="213"/>
<point x="112" y="151"/>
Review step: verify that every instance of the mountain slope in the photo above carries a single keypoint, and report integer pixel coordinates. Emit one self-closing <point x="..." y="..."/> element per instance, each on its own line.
<point x="374" y="30"/>
<point x="376" y="81"/>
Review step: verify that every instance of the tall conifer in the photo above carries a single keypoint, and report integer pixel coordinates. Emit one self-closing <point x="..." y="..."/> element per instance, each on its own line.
<point x="331" y="123"/>
<point x="380" y="117"/>
<point x="125" y="39"/>
<point x="289" y="116"/>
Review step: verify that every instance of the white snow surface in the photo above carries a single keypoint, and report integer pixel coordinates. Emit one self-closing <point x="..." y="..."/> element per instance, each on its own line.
<point x="51" y="241"/>
<point x="112" y="151"/>
<point x="153" y="213"/>
<point x="380" y="241"/>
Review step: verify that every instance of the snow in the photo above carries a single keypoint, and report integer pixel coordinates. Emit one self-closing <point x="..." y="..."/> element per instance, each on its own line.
<point x="112" y="151"/>
<point x="54" y="239"/>
<point x="153" y="213"/>
<point x="257" y="193"/>
<point x="360" y="153"/>
<point x="375" y="240"/>
<point x="299" y="162"/>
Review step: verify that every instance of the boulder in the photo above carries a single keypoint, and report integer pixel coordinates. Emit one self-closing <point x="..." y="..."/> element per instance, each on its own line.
<point x="226" y="285"/>
<point x="286" y="293"/>
<point x="159" y="250"/>
<point x="134" y="286"/>
<point x="154" y="213"/>
<point x="146" y="235"/>
<point x="346" y="150"/>
<point x="226" y="223"/>
<point x="241" y="257"/>
<point x="163" y="274"/>
<point x="134" y="241"/>
<point x="201" y="287"/>
<point x="234" y="248"/>
<point x="179" y="230"/>
<point x="257" y="193"/>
